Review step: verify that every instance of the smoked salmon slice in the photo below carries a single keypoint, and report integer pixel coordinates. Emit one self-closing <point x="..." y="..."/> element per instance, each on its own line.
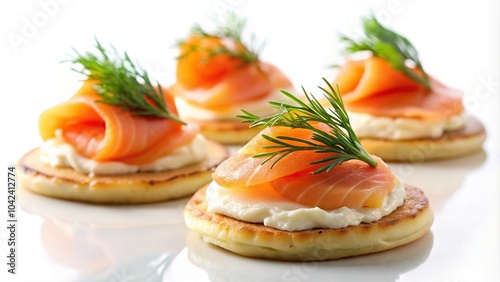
<point x="353" y="184"/>
<point x="103" y="132"/>
<point x="242" y="169"/>
<point x="217" y="81"/>
<point x="373" y="87"/>
<point x="199" y="66"/>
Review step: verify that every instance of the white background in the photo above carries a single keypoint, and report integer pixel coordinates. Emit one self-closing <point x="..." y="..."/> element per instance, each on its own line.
<point x="458" y="41"/>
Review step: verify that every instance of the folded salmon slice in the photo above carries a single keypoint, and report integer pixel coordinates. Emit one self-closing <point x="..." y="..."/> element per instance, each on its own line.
<point x="373" y="87"/>
<point x="219" y="81"/>
<point x="244" y="84"/>
<point x="103" y="132"/>
<point x="353" y="184"/>
<point x="242" y="169"/>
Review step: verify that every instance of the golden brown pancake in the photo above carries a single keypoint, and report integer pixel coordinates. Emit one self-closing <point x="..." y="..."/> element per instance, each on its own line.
<point x="457" y="143"/>
<point x="406" y="224"/>
<point x="143" y="187"/>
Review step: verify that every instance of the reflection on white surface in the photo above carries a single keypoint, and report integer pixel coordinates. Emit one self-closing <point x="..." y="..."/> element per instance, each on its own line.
<point x="205" y="262"/>
<point x="103" y="243"/>
<point x="439" y="179"/>
<point x="101" y="254"/>
<point x="117" y="216"/>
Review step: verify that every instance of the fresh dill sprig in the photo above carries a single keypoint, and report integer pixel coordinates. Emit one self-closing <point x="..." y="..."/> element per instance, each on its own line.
<point x="340" y="139"/>
<point x="232" y="29"/>
<point x="121" y="83"/>
<point x="388" y="45"/>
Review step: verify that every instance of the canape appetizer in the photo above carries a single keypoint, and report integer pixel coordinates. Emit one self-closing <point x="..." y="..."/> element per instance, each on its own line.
<point x="398" y="111"/>
<point x="305" y="189"/>
<point x="217" y="75"/>
<point x="117" y="140"/>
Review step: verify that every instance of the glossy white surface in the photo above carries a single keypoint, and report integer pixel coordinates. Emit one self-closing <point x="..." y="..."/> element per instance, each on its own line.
<point x="66" y="241"/>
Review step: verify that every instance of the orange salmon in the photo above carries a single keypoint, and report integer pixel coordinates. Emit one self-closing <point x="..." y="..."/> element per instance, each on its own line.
<point x="103" y="132"/>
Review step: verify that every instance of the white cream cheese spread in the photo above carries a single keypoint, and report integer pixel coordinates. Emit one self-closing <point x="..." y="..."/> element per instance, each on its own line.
<point x="278" y="212"/>
<point x="57" y="153"/>
<point x="368" y="126"/>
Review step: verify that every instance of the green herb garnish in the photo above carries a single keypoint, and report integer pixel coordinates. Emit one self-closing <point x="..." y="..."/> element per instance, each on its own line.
<point x="340" y="139"/>
<point x="231" y="29"/>
<point x="121" y="83"/>
<point x="388" y="45"/>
